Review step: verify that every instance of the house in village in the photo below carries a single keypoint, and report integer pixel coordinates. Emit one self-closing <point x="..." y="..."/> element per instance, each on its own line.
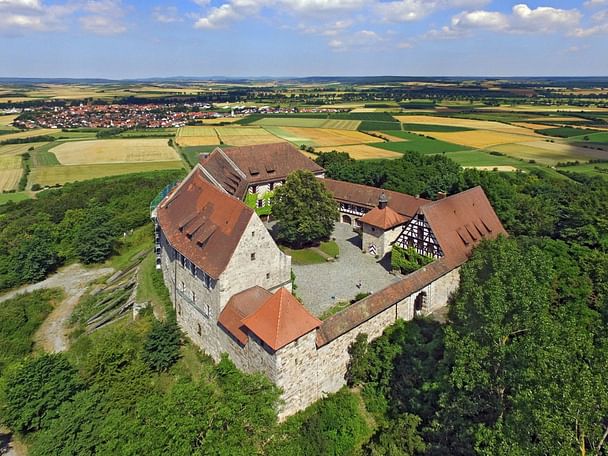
<point x="230" y="283"/>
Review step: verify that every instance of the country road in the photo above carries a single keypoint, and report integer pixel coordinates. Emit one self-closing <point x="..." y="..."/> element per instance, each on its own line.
<point x="73" y="279"/>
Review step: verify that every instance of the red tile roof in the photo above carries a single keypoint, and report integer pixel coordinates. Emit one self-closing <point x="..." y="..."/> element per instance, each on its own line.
<point x="203" y="223"/>
<point x="235" y="168"/>
<point x="461" y="221"/>
<point x="385" y="218"/>
<point x="239" y="307"/>
<point x="281" y="320"/>
<point x="363" y="195"/>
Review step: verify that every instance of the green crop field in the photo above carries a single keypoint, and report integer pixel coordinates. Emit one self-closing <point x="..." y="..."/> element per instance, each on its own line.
<point x="372" y="125"/>
<point x="59" y="175"/>
<point x="191" y="153"/>
<point x="591" y="169"/>
<point x="149" y="133"/>
<point x="289" y="122"/>
<point x="417" y="143"/>
<point x="564" y="132"/>
<point x="427" y="127"/>
<point x="15" y="197"/>
<point x="601" y="137"/>
<point x="42" y="157"/>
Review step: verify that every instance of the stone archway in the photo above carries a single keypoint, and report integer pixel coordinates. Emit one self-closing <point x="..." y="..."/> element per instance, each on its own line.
<point x="347" y="219"/>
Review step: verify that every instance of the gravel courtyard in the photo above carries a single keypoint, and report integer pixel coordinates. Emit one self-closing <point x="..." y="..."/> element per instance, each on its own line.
<point x="320" y="286"/>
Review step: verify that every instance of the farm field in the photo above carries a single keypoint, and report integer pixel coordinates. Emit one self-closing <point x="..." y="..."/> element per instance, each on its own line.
<point x="246" y="136"/>
<point x="322" y="137"/>
<point x="593" y="137"/>
<point x="17" y="196"/>
<point x="196" y="136"/>
<point x="5" y="120"/>
<point x="113" y="151"/>
<point x="308" y="122"/>
<point x="433" y="128"/>
<point x="465" y="123"/>
<point x="416" y="143"/>
<point x="220" y="120"/>
<point x="362" y="152"/>
<point x="59" y="175"/>
<point x="479" y="158"/>
<point x="18" y="149"/>
<point x="564" y="132"/>
<point x="549" y="153"/>
<point x="592" y="169"/>
<point x="482" y="138"/>
<point x="191" y="153"/>
<point x="10" y="172"/>
<point x="43" y="157"/>
<point x="29" y="134"/>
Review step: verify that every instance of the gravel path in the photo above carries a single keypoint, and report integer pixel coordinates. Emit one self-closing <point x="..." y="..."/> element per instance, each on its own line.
<point x="320" y="286"/>
<point x="52" y="334"/>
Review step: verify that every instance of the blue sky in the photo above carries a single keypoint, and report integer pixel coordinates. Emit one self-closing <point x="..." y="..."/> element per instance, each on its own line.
<point x="130" y="39"/>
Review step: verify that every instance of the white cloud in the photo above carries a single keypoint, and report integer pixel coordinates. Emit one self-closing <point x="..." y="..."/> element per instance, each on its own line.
<point x="594" y="3"/>
<point x="106" y="17"/>
<point x="361" y="40"/>
<point x="20" y="16"/>
<point x="166" y="14"/>
<point x="415" y="10"/>
<point x="523" y="19"/>
<point x="590" y="31"/>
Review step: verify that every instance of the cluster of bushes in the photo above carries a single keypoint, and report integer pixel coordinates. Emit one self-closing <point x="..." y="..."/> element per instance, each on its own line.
<point x="408" y="260"/>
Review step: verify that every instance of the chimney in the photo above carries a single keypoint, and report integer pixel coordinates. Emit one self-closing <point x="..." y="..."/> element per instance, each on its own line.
<point x="441" y="195"/>
<point x="382" y="201"/>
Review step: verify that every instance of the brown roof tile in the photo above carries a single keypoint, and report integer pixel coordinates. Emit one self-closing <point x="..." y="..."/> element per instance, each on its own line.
<point x="461" y="221"/>
<point x="281" y="320"/>
<point x="224" y="172"/>
<point x="385" y="218"/>
<point x="239" y="307"/>
<point x="366" y="196"/>
<point x="203" y="223"/>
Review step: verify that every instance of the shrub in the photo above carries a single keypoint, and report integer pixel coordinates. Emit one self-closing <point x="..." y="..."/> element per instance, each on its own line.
<point x="161" y="349"/>
<point x="408" y="260"/>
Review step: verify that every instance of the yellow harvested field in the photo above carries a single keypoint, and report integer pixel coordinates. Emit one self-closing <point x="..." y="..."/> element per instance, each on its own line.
<point x="197" y="136"/>
<point x="6" y="120"/>
<point x="220" y="120"/>
<point x="478" y="138"/>
<point x="549" y="152"/>
<point x="324" y="137"/>
<point x="53" y="175"/>
<point x="503" y="168"/>
<point x="18" y="149"/>
<point x="362" y="152"/>
<point x="531" y="126"/>
<point x="341" y="124"/>
<point x="389" y="137"/>
<point x="10" y="172"/>
<point x="29" y="133"/>
<point x="466" y="123"/>
<point x="114" y="151"/>
<point x="246" y="136"/>
<point x="556" y="119"/>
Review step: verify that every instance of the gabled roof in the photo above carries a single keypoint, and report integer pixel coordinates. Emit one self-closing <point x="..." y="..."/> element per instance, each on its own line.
<point x="385" y="218"/>
<point x="203" y="223"/>
<point x="281" y="320"/>
<point x="235" y="168"/>
<point x="363" y="195"/>
<point x="461" y="221"/>
<point x="239" y="307"/>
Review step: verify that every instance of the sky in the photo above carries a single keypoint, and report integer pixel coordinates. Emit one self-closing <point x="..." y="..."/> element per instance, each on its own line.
<point x="291" y="38"/>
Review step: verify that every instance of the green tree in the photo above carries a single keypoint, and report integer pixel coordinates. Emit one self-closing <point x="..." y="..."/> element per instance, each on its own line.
<point x="304" y="209"/>
<point x="94" y="237"/>
<point x="161" y="349"/>
<point x="399" y="437"/>
<point x="34" y="391"/>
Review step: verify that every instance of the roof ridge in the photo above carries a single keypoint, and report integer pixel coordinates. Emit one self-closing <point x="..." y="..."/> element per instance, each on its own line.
<point x="231" y="163"/>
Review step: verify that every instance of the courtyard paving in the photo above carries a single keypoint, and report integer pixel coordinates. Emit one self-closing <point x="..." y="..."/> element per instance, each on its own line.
<point x="320" y="286"/>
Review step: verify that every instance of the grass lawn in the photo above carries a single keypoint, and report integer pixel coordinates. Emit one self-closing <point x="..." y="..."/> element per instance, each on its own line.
<point x="17" y="196"/>
<point x="191" y="153"/>
<point x="330" y="248"/>
<point x="303" y="256"/>
<point x="150" y="286"/>
<point x="416" y="143"/>
<point x="132" y="245"/>
<point x="334" y="310"/>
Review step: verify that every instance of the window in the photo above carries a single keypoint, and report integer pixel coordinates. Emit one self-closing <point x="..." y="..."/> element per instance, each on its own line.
<point x="182" y="286"/>
<point x="252" y="256"/>
<point x="179" y="309"/>
<point x="254" y="188"/>
<point x="268" y="275"/>
<point x="271" y="186"/>
<point x="193" y="298"/>
<point x="253" y="234"/>
<point x="206" y="310"/>
<point x="200" y="331"/>
<point x="260" y="203"/>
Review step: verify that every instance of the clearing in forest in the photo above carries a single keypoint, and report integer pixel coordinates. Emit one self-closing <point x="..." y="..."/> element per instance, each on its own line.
<point x="10" y="172"/>
<point x="114" y="151"/>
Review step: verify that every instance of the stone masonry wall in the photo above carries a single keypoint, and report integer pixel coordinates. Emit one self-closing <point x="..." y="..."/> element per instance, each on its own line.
<point x="270" y="269"/>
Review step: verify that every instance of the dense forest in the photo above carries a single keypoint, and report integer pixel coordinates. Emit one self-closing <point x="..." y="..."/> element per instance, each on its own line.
<point x="80" y="221"/>
<point x="521" y="367"/>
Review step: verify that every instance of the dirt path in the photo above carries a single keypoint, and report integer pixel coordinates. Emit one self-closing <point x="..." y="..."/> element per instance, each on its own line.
<point x="51" y="336"/>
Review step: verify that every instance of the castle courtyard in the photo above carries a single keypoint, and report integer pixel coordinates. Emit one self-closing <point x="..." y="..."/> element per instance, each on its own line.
<point x="320" y="286"/>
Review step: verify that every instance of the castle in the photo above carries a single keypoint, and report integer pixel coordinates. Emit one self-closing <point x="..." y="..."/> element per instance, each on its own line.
<point x="231" y="285"/>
